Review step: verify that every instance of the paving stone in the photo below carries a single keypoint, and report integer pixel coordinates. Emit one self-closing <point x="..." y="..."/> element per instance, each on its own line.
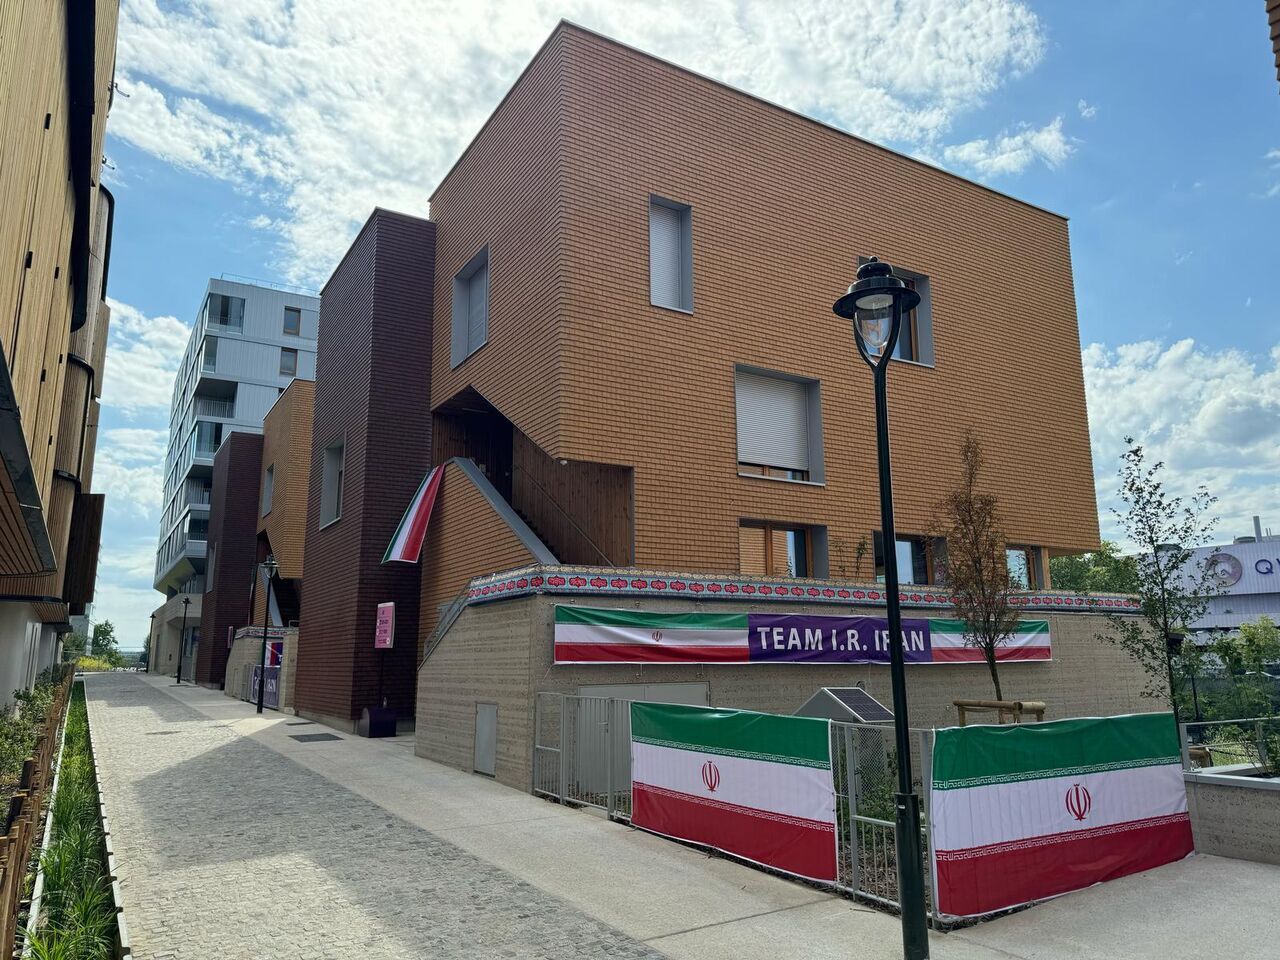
<point x="228" y="849"/>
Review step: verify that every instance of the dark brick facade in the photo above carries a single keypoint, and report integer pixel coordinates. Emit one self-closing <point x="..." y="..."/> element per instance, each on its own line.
<point x="373" y="385"/>
<point x="233" y="530"/>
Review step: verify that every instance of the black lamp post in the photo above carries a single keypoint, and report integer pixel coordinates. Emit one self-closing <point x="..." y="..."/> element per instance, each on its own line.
<point x="182" y="637"/>
<point x="876" y="304"/>
<point x="269" y="567"/>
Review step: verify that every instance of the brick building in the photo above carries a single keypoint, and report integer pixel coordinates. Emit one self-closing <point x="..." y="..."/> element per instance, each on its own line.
<point x="615" y="340"/>
<point x="370" y="444"/>
<point x="634" y="341"/>
<point x="635" y="364"/>
<point x="230" y="567"/>
<point x="57" y="66"/>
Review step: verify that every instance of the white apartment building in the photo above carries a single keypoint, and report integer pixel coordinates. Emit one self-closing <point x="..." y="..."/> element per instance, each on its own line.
<point x="249" y="341"/>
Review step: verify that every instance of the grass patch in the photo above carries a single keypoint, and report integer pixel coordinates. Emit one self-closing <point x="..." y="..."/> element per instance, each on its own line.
<point x="78" y="921"/>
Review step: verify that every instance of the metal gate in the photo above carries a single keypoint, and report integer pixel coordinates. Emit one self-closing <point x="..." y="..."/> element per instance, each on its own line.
<point x="582" y="756"/>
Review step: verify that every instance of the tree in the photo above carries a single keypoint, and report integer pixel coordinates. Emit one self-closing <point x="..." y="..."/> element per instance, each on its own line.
<point x="977" y="566"/>
<point x="1103" y="571"/>
<point x="103" y="644"/>
<point x="1245" y="656"/>
<point x="1173" y="589"/>
<point x="74" y="646"/>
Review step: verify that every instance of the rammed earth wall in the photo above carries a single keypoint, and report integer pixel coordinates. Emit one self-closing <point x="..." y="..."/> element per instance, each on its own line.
<point x="501" y="652"/>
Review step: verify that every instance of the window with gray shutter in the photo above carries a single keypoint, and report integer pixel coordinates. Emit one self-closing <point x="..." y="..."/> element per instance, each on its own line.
<point x="778" y="425"/>
<point x="470" y="308"/>
<point x="670" y="254"/>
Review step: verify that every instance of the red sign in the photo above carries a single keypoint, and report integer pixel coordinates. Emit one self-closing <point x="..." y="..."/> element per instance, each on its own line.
<point x="384" y="635"/>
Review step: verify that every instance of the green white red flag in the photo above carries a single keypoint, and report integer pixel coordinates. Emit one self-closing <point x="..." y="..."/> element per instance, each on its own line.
<point x="754" y="785"/>
<point x="1021" y="813"/>
<point x="406" y="545"/>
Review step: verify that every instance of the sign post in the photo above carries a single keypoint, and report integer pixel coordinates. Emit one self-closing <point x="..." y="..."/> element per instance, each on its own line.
<point x="384" y="639"/>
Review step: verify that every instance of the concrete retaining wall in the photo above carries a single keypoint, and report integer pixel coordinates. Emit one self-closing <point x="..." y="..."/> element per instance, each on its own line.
<point x="501" y="652"/>
<point x="1235" y="816"/>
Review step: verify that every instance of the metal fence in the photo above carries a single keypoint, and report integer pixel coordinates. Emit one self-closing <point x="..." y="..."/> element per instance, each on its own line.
<point x="1250" y="745"/>
<point x="582" y="756"/>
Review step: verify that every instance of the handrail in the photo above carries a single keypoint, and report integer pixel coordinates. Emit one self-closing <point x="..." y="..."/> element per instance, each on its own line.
<point x="586" y="536"/>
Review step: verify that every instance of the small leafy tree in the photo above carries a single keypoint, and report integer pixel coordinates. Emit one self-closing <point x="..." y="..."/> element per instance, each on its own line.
<point x="1103" y="571"/>
<point x="1173" y="589"/>
<point x="74" y="646"/>
<point x="103" y="644"/>
<point x="977" y="566"/>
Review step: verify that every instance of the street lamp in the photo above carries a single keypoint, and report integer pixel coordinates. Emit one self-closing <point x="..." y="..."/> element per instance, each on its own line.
<point x="269" y="567"/>
<point x="876" y="304"/>
<point x="182" y="637"/>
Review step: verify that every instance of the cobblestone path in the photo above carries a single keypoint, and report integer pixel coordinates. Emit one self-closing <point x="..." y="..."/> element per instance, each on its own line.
<point x="229" y="850"/>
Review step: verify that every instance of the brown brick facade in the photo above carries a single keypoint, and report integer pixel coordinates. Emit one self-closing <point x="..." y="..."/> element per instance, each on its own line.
<point x="372" y="394"/>
<point x="232" y="556"/>
<point x="557" y="185"/>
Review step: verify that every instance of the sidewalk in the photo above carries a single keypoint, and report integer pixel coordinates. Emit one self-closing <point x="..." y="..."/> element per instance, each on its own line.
<point x="396" y="856"/>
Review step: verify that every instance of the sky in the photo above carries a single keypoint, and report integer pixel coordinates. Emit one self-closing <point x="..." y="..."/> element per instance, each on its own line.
<point x="253" y="137"/>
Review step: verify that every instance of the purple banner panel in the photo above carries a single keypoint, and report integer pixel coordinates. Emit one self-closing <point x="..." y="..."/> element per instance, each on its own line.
<point x="796" y="638"/>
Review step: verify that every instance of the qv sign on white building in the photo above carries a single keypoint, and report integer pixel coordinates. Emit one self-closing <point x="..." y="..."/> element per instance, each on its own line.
<point x="1247" y="578"/>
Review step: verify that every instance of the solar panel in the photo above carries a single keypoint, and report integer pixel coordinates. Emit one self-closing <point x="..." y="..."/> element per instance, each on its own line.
<point x="862" y="705"/>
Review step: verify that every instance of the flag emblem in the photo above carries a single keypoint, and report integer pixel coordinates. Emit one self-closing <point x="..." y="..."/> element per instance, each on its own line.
<point x="711" y="776"/>
<point x="1078" y="801"/>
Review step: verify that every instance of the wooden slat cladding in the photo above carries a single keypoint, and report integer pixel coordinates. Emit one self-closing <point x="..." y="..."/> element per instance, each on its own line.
<point x="45" y="172"/>
<point x="373" y="388"/>
<point x="232" y="551"/>
<point x="582" y="511"/>
<point x="82" y="551"/>
<point x="286" y="448"/>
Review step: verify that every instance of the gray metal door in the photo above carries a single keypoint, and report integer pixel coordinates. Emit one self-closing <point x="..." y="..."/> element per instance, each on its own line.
<point x="486" y="746"/>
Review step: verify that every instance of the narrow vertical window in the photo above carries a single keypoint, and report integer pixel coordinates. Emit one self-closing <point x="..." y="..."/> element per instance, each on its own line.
<point x="470" y="308"/>
<point x="288" y="362"/>
<point x="293" y="321"/>
<point x="670" y="254"/>
<point x="331" y="482"/>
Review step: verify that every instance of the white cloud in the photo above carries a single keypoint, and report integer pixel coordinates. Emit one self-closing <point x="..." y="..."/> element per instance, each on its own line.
<point x="1013" y="152"/>
<point x="1180" y="258"/>
<point x="143" y="354"/>
<point x="332" y="106"/>
<point x="1087" y="110"/>
<point x="129" y="468"/>
<point x="1213" y="416"/>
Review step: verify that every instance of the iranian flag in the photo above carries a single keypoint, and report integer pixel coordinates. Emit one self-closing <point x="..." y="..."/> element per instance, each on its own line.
<point x="1020" y="813"/>
<point x="406" y="545"/>
<point x="754" y="785"/>
<point x="1028" y="641"/>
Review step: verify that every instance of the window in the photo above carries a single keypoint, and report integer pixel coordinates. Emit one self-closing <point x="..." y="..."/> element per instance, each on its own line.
<point x="767" y="549"/>
<point x="779" y="425"/>
<point x="915" y="337"/>
<point x="268" y="488"/>
<point x="211" y="567"/>
<point x="210" y="361"/>
<point x="226" y="311"/>
<point x="914" y="558"/>
<point x="293" y="321"/>
<point x="331" y="483"/>
<point x="288" y="362"/>
<point x="470" y="308"/>
<point x="670" y="254"/>
<point x="1024" y="568"/>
